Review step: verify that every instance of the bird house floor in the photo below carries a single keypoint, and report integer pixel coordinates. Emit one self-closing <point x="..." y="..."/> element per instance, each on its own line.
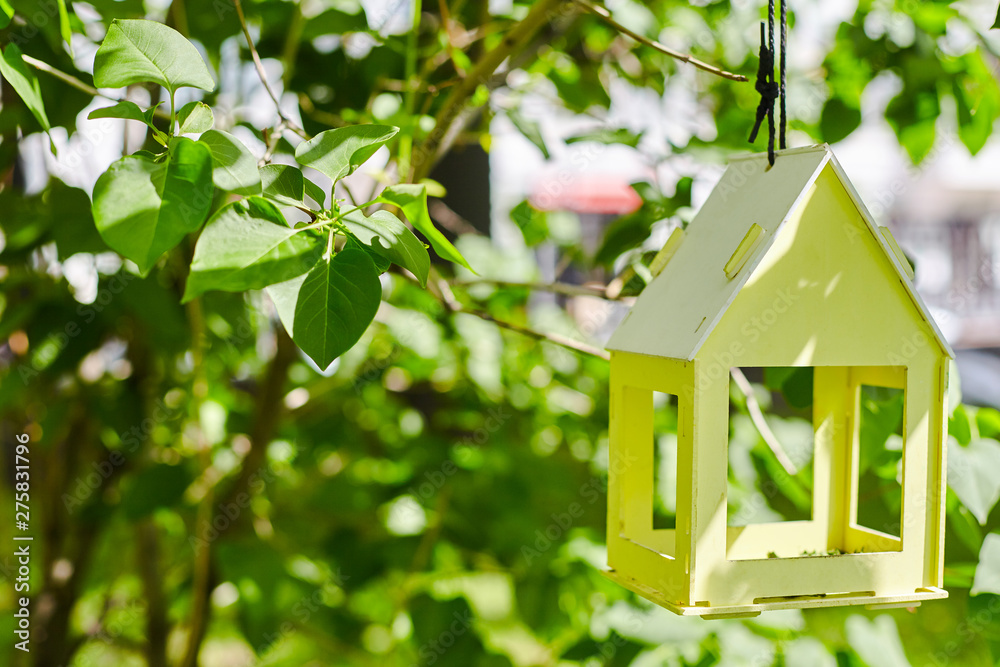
<point x="705" y="611"/>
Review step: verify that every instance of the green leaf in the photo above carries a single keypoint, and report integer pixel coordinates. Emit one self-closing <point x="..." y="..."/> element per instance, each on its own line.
<point x="64" y="28"/>
<point x="988" y="422"/>
<point x="283" y="183"/>
<point x="314" y="192"/>
<point x="72" y="227"/>
<point x="6" y="14"/>
<point x="326" y="311"/>
<point x="412" y="200"/>
<point x="977" y="100"/>
<point x="607" y="135"/>
<point x="337" y="153"/>
<point x="285" y="295"/>
<point x="876" y="641"/>
<point x="249" y="245"/>
<point x="959" y="425"/>
<point x="996" y="23"/>
<point x="384" y="234"/>
<point x="972" y="475"/>
<point x="838" y="120"/>
<point x="382" y="264"/>
<point x="124" y="109"/>
<point x="532" y="223"/>
<point x="137" y="51"/>
<point x="624" y="233"/>
<point x="143" y="207"/>
<point x="23" y="81"/>
<point x="130" y="111"/>
<point x="234" y="166"/>
<point x="987" y="579"/>
<point x="531" y="131"/>
<point x="195" y="117"/>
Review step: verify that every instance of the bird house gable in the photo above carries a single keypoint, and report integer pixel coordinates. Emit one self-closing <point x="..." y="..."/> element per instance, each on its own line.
<point x="768" y="240"/>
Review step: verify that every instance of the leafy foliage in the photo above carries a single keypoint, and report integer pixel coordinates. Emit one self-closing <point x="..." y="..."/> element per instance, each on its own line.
<point x="137" y="51"/>
<point x="431" y="489"/>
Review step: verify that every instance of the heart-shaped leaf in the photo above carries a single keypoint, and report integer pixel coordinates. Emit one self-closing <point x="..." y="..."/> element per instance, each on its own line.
<point x="412" y="200"/>
<point x="137" y="51"/>
<point x="195" y="117"/>
<point x="337" y="153"/>
<point x="987" y="578"/>
<point x="327" y="310"/>
<point x="972" y="475"/>
<point x="23" y="81"/>
<point x="143" y="207"/>
<point x="235" y="167"/>
<point x="249" y="245"/>
<point x="384" y="234"/>
<point x="283" y="184"/>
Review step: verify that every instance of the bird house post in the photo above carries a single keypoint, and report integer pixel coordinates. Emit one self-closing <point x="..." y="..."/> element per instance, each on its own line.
<point x="782" y="267"/>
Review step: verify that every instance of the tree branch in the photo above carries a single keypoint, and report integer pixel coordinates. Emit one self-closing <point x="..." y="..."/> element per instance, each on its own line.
<point x="757" y="416"/>
<point x="157" y="627"/>
<point x="262" y="74"/>
<point x="449" y="219"/>
<point x="567" y="289"/>
<point x="426" y="155"/>
<point x="441" y="290"/>
<point x="268" y="411"/>
<point x="71" y="80"/>
<point x="605" y="15"/>
<point x="202" y="568"/>
<point x="558" y="339"/>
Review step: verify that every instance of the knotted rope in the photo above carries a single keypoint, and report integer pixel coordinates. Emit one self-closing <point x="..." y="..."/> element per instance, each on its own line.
<point x="766" y="86"/>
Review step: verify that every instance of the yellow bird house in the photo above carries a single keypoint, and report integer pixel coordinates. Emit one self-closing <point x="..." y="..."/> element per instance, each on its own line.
<point x="782" y="267"/>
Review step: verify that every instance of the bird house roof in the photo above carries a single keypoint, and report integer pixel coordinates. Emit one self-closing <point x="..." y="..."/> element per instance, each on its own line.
<point x="730" y="235"/>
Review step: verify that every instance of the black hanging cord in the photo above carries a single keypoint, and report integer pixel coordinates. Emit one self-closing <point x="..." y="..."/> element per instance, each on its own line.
<point x="768" y="88"/>
<point x="781" y="68"/>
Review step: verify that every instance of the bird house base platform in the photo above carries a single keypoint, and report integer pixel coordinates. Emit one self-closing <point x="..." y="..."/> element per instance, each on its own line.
<point x="773" y="604"/>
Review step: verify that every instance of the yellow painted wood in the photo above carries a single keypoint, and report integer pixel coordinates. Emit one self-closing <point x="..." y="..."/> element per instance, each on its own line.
<point x="897" y="252"/>
<point x="747" y="193"/>
<point x="742" y="253"/>
<point x="803" y="602"/>
<point x="772" y="198"/>
<point x="666" y="252"/>
<point x="813" y="283"/>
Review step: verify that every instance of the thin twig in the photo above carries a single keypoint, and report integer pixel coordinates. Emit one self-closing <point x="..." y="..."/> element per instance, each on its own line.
<point x="757" y="416"/>
<point x="273" y="138"/>
<point x="65" y="78"/>
<point x="558" y="339"/>
<point x="451" y="220"/>
<point x="605" y="15"/>
<point x="567" y="289"/>
<point x="443" y="133"/>
<point x="441" y="290"/>
<point x="262" y="74"/>
<point x="78" y="84"/>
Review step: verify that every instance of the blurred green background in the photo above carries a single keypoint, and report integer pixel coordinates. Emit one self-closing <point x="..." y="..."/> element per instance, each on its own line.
<point x="201" y="494"/>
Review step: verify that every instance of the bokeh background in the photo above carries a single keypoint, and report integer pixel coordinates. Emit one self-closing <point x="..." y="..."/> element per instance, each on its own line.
<point x="202" y="494"/>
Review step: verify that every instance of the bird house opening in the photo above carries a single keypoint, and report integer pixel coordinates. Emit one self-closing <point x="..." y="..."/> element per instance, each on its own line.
<point x="646" y="468"/>
<point x="878" y="467"/>
<point x="770" y="445"/>
<point x="664" y="461"/>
